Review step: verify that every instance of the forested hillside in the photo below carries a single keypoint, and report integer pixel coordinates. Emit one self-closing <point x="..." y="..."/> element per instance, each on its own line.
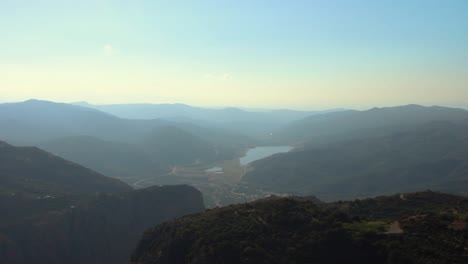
<point x="409" y="228"/>
<point x="429" y="156"/>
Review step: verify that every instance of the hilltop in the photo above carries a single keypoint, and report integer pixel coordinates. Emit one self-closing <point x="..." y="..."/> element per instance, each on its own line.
<point x="421" y="228"/>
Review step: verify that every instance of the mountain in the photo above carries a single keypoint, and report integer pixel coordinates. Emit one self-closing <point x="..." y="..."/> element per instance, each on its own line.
<point x="32" y="171"/>
<point x="175" y="111"/>
<point x="113" y="158"/>
<point x="185" y="143"/>
<point x="175" y="146"/>
<point x="34" y="121"/>
<point x="432" y="155"/>
<point x="351" y="124"/>
<point x="55" y="211"/>
<point x="94" y="230"/>
<point x="115" y="146"/>
<point x="419" y="228"/>
<point x="219" y="136"/>
<point x="155" y="153"/>
<point x="258" y="124"/>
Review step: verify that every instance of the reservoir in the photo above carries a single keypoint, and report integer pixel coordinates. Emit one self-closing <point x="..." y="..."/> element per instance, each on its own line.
<point x="257" y="153"/>
<point x="215" y="170"/>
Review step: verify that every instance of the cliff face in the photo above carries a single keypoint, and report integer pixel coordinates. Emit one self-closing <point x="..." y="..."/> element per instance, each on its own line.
<point x="103" y="229"/>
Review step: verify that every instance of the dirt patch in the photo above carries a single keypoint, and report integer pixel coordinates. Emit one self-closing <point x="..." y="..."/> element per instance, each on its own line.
<point x="394" y="228"/>
<point x="459" y="225"/>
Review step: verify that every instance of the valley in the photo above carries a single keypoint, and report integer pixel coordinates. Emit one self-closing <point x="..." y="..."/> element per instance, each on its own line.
<point x="234" y="132"/>
<point x="219" y="182"/>
<point x="343" y="154"/>
<point x="95" y="185"/>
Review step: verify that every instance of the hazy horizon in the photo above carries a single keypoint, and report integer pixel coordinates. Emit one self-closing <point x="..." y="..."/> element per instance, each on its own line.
<point x="250" y="54"/>
<point x="233" y="131"/>
<point x="251" y="109"/>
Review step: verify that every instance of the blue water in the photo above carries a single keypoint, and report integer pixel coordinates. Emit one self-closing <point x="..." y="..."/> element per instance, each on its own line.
<point x="257" y="153"/>
<point x="215" y="170"/>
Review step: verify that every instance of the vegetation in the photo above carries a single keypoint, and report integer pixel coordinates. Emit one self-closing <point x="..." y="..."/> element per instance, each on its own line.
<point x="430" y="156"/>
<point x="300" y="231"/>
<point x="365" y="228"/>
<point x="60" y="212"/>
<point x="55" y="211"/>
<point x="88" y="229"/>
<point x="110" y="158"/>
<point x="34" y="172"/>
<point x="352" y="124"/>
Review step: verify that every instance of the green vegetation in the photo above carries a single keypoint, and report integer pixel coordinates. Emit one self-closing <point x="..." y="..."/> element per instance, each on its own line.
<point x="297" y="231"/>
<point x="362" y="228"/>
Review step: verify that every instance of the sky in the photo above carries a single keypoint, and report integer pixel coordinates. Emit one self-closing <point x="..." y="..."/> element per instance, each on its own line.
<point x="311" y="54"/>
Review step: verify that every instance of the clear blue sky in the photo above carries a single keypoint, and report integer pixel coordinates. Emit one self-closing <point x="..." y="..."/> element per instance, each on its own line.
<point x="296" y="54"/>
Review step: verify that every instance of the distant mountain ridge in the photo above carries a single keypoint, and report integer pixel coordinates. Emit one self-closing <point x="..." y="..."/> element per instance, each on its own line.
<point x="106" y="143"/>
<point x="432" y="155"/>
<point x="249" y="122"/>
<point x="354" y="124"/>
<point x="177" y="110"/>
<point x="34" y="120"/>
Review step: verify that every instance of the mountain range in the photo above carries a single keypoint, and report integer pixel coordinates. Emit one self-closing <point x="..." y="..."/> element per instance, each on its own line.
<point x="62" y="207"/>
<point x="257" y="124"/>
<point x="429" y="156"/>
<point x="116" y="146"/>
<point x="351" y="124"/>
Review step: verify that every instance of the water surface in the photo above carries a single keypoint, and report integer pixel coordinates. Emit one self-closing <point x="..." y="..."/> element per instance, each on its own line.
<point x="257" y="153"/>
<point x="215" y="170"/>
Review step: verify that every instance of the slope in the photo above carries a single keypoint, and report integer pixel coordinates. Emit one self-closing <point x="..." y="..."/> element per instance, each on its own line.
<point x="432" y="156"/>
<point x="345" y="125"/>
<point x="115" y="146"/>
<point x="33" y="121"/>
<point x="254" y="123"/>
<point x="112" y="158"/>
<point x="32" y="171"/>
<point x="295" y="231"/>
<point x="55" y="211"/>
<point x="94" y="230"/>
